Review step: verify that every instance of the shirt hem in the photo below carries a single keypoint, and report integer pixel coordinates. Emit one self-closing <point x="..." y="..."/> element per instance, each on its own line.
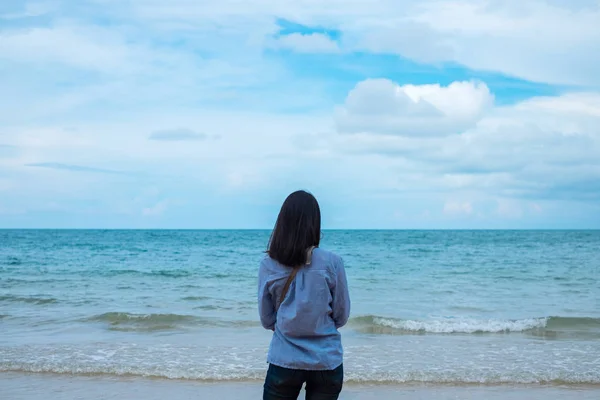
<point x="304" y="368"/>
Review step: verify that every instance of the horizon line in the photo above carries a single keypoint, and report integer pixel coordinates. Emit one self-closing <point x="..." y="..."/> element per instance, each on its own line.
<point x="325" y="229"/>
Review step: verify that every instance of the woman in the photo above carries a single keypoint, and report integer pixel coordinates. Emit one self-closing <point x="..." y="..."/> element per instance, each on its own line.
<point x="303" y="298"/>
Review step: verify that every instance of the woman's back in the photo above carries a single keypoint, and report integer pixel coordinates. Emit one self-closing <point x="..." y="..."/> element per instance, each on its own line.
<point x="303" y="298"/>
<point x="307" y="320"/>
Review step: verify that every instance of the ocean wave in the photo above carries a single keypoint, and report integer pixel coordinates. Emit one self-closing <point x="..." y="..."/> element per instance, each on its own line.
<point x="573" y="323"/>
<point x="166" y="273"/>
<point x="174" y="273"/>
<point x="123" y="321"/>
<point x="196" y="298"/>
<point x="39" y="300"/>
<point x="546" y="326"/>
<point x="351" y="376"/>
<point x="123" y="317"/>
<point x="13" y="261"/>
<point x="126" y="322"/>
<point x="213" y="307"/>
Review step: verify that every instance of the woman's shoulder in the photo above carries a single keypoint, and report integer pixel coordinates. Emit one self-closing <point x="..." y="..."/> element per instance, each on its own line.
<point x="321" y="257"/>
<point x="326" y="258"/>
<point x="267" y="261"/>
<point x="270" y="264"/>
<point x="270" y="268"/>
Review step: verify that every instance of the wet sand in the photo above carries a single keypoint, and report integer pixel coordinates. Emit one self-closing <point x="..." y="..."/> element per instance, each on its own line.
<point x="17" y="386"/>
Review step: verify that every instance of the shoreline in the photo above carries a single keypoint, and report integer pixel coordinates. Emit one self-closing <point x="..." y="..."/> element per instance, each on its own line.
<point x="347" y="383"/>
<point x="38" y="386"/>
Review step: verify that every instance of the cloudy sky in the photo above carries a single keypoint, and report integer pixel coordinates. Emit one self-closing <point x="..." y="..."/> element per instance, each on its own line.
<point x="206" y="114"/>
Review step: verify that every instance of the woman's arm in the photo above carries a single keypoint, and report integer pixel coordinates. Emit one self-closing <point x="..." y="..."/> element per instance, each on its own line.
<point x="266" y="307"/>
<point x="341" y="296"/>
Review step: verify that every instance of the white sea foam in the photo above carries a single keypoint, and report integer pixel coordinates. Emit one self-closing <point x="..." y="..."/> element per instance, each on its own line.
<point x="353" y="374"/>
<point x="458" y="361"/>
<point x="462" y="325"/>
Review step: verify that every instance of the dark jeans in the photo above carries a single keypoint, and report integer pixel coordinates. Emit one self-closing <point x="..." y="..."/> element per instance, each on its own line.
<point x="284" y="384"/>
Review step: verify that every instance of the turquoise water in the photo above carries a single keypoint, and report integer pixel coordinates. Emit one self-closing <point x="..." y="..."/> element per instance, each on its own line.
<point x="428" y="306"/>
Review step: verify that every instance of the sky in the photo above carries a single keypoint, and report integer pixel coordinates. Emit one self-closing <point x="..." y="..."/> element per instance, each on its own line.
<point x="396" y="114"/>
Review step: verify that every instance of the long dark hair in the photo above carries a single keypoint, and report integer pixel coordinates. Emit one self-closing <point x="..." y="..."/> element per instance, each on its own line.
<point x="298" y="227"/>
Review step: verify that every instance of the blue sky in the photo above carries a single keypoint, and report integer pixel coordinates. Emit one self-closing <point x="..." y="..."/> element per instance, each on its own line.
<point x="396" y="114"/>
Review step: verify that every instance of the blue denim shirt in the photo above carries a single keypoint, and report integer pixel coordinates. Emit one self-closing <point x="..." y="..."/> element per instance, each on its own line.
<point x="306" y="324"/>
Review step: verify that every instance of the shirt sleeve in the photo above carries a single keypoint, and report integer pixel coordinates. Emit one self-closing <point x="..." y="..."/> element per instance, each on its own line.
<point x="266" y="307"/>
<point x="341" y="296"/>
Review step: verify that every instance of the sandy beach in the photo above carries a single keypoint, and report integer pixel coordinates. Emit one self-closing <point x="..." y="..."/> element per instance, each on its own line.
<point x="16" y="386"/>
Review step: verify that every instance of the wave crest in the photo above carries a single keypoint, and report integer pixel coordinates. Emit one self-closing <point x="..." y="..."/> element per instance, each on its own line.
<point x="543" y="326"/>
<point x="352" y="376"/>
<point x="38" y="300"/>
<point x="123" y="321"/>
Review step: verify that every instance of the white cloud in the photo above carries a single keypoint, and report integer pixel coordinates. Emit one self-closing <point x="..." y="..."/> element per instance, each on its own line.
<point x="545" y="147"/>
<point x="582" y="104"/>
<point x="306" y="43"/>
<point x="157" y="209"/>
<point x="73" y="63"/>
<point x="177" y="135"/>
<point x="381" y="106"/>
<point x="454" y="208"/>
<point x="509" y="208"/>
<point x="88" y="48"/>
<point x="539" y="40"/>
<point x="536" y="207"/>
<point x="24" y="10"/>
<point x="238" y="178"/>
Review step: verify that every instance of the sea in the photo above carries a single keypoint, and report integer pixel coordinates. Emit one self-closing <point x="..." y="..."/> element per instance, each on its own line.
<point x="428" y="307"/>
